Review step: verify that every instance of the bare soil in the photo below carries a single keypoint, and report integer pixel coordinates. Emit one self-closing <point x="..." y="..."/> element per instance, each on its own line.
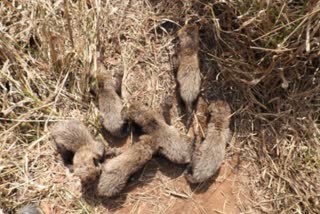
<point x="160" y="187"/>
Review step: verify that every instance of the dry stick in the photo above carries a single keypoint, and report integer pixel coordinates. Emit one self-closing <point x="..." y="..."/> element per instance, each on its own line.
<point x="66" y="10"/>
<point x="283" y="26"/>
<point x="199" y="125"/>
<point x="57" y="94"/>
<point x="177" y="194"/>
<point x="98" y="9"/>
<point x="123" y="15"/>
<point x="278" y="18"/>
<point x="24" y="118"/>
<point x="308" y="37"/>
<point x="52" y="50"/>
<point x="307" y="17"/>
<point x="295" y="30"/>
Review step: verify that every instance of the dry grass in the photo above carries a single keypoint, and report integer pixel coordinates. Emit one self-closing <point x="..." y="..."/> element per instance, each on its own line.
<point x="261" y="56"/>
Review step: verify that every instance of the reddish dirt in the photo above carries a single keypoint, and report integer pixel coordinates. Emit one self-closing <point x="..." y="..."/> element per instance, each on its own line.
<point x="169" y="192"/>
<point x="160" y="187"/>
<point x="220" y="197"/>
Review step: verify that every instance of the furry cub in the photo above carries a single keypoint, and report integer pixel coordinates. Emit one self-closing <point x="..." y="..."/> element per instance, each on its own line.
<point x="188" y="75"/>
<point x="110" y="103"/>
<point x="172" y="144"/>
<point x="73" y="136"/>
<point x="30" y="209"/>
<point x="116" y="172"/>
<point x="208" y="155"/>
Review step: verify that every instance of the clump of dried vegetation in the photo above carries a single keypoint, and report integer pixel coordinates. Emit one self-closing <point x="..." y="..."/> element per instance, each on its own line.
<point x="261" y="56"/>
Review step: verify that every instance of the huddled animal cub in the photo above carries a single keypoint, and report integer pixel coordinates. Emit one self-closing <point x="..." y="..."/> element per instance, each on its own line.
<point x="188" y="75"/>
<point x="172" y="144"/>
<point x="208" y="155"/>
<point x="110" y="103"/>
<point x="73" y="136"/>
<point x="116" y="172"/>
<point x="30" y="209"/>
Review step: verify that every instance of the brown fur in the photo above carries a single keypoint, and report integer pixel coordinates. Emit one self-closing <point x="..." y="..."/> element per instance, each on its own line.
<point x="173" y="145"/>
<point x="85" y="164"/>
<point x="188" y="75"/>
<point x="208" y="155"/>
<point x="74" y="136"/>
<point x="165" y="107"/>
<point x="110" y="103"/>
<point x="116" y="172"/>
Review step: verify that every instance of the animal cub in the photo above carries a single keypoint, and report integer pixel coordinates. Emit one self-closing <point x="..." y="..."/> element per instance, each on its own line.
<point x="172" y="144"/>
<point x="208" y="156"/>
<point x="72" y="136"/>
<point x="116" y="172"/>
<point x="30" y="209"/>
<point x="110" y="103"/>
<point x="188" y="75"/>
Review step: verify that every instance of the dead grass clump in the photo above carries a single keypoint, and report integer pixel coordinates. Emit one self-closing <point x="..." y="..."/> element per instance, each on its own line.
<point x="261" y="56"/>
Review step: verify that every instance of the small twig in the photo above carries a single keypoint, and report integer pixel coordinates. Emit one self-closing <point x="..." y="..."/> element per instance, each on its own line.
<point x="66" y="11"/>
<point x="177" y="194"/>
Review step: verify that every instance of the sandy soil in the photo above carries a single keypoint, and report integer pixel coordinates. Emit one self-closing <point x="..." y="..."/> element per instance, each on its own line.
<point x="160" y="187"/>
<point x="219" y="196"/>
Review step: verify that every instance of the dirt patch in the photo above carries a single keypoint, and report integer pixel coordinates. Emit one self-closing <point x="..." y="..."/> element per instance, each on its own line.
<point x="220" y="197"/>
<point x="161" y="188"/>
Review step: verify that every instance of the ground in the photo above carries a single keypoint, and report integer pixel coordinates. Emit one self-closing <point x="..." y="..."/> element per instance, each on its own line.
<point x="161" y="188"/>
